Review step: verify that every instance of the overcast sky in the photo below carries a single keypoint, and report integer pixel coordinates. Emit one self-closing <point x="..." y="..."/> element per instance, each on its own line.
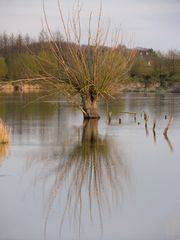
<point x="151" y="23"/>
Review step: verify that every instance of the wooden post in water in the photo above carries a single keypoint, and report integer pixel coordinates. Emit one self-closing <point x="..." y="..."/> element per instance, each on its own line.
<point x="168" y="126"/>
<point x="154" y="123"/>
<point x="154" y="127"/>
<point x="109" y="117"/>
<point x="146" y="118"/>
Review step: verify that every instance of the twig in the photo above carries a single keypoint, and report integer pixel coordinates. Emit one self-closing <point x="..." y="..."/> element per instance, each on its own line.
<point x="134" y="113"/>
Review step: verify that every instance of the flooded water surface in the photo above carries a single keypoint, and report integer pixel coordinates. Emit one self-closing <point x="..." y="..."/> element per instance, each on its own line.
<point x="62" y="178"/>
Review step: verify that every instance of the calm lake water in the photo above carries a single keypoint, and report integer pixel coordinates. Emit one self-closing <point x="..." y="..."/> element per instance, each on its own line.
<point x="61" y="178"/>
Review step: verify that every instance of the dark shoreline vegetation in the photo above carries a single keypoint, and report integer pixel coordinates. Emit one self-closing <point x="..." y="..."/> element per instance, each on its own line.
<point x="150" y="70"/>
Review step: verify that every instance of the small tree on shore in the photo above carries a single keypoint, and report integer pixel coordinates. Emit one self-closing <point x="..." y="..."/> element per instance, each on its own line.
<point x="91" y="71"/>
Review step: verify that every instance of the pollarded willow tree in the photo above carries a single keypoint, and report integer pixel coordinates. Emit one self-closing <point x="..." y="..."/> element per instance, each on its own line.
<point x="91" y="71"/>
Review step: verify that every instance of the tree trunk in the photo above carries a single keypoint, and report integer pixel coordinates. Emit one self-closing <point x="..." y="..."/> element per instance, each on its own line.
<point x="89" y="106"/>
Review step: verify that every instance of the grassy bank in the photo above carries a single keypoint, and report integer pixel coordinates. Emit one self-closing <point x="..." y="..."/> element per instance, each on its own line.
<point x="126" y="87"/>
<point x="26" y="88"/>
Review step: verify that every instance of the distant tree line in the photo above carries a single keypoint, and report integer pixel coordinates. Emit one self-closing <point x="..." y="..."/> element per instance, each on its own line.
<point x="156" y="67"/>
<point x="19" y="53"/>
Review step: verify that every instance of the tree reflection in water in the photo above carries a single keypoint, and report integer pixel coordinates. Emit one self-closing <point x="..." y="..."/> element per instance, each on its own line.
<point x="92" y="169"/>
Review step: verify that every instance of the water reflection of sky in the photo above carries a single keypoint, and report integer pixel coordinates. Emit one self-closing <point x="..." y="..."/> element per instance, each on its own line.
<point x="136" y="186"/>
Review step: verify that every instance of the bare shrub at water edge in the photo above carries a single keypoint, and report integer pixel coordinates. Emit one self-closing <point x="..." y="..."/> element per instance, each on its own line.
<point x="5" y="132"/>
<point x="84" y="71"/>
